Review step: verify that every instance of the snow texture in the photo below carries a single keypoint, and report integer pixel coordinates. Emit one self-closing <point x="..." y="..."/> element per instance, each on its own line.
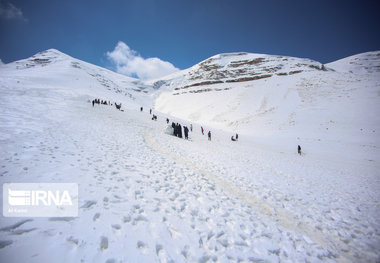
<point x="146" y="196"/>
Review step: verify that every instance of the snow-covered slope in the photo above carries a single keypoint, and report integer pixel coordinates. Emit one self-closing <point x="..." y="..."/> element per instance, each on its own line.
<point x="52" y="68"/>
<point x="145" y="196"/>
<point x="291" y="100"/>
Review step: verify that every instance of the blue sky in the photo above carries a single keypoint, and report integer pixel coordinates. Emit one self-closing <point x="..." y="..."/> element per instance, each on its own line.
<point x="184" y="32"/>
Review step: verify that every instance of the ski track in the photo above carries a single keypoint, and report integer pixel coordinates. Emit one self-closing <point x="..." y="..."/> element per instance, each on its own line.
<point x="145" y="196"/>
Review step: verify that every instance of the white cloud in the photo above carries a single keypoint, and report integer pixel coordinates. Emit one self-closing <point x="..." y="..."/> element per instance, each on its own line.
<point x="9" y="11"/>
<point x="130" y="63"/>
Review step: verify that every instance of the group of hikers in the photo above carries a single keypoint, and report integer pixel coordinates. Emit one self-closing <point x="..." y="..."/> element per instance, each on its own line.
<point x="98" y="101"/>
<point x="104" y="102"/>
<point x="177" y="128"/>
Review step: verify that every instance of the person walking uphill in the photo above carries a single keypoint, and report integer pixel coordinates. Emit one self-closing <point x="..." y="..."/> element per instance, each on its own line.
<point x="209" y="135"/>
<point x="299" y="150"/>
<point x="179" y="131"/>
<point x="202" y="130"/>
<point x="186" y="131"/>
<point x="175" y="127"/>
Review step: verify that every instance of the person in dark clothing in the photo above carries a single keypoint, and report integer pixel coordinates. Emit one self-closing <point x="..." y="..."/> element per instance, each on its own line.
<point x="150" y="112"/>
<point x="93" y="103"/>
<point x="179" y="131"/>
<point x="186" y="131"/>
<point x="299" y="150"/>
<point x="167" y="120"/>
<point x="173" y="126"/>
<point x="202" y="130"/>
<point x="176" y="130"/>
<point x="237" y="136"/>
<point x="209" y="135"/>
<point x="232" y="138"/>
<point x="141" y="109"/>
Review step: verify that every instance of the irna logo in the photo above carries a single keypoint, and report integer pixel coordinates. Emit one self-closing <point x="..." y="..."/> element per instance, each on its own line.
<point x="40" y="199"/>
<point x="19" y="197"/>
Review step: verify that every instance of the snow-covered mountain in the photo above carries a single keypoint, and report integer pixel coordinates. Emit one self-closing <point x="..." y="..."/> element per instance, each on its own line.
<point x="145" y="196"/>
<point x="54" y="68"/>
<point x="281" y="97"/>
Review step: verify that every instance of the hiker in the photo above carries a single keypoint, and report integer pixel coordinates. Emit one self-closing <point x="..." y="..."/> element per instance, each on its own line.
<point x="202" y="130"/>
<point x="179" y="131"/>
<point x="141" y="109"/>
<point x="209" y="135"/>
<point x="117" y="106"/>
<point x="299" y="150"/>
<point x="191" y="127"/>
<point x="167" y="121"/>
<point x="237" y="136"/>
<point x="93" y="103"/>
<point x="150" y="112"/>
<point x="232" y="138"/>
<point x="186" y="130"/>
<point x="175" y="127"/>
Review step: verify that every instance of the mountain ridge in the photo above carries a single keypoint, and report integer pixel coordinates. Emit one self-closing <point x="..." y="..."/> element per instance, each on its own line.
<point x="255" y="94"/>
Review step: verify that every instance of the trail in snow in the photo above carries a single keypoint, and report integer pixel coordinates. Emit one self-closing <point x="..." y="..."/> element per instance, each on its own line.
<point x="289" y="197"/>
<point x="146" y="196"/>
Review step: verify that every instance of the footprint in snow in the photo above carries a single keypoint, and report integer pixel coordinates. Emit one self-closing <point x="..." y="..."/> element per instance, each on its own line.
<point x="103" y="243"/>
<point x="142" y="246"/>
<point x="96" y="216"/>
<point x="88" y="204"/>
<point x="16" y="225"/>
<point x="116" y="226"/>
<point x="4" y="243"/>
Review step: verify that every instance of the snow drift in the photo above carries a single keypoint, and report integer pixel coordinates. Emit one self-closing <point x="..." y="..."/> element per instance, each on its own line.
<point x="146" y="196"/>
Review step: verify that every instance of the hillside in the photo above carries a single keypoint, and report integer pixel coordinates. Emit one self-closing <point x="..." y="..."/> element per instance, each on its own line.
<point x="52" y="68"/>
<point x="146" y="196"/>
<point x="287" y="100"/>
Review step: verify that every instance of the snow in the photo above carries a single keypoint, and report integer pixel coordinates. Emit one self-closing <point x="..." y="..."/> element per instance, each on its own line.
<point x="146" y="196"/>
<point x="337" y="107"/>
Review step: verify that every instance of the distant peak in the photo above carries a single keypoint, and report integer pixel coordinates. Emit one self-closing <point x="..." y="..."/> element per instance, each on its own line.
<point x="52" y="52"/>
